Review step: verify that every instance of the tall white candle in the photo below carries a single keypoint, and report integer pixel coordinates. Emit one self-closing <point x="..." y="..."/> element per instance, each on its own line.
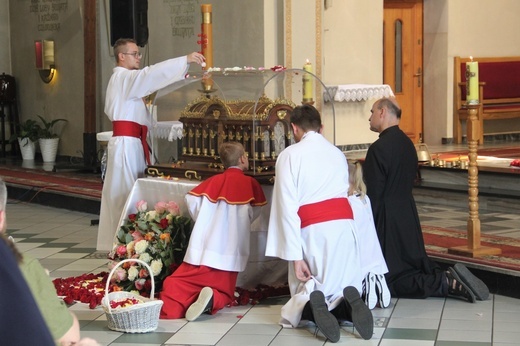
<point x="472" y="87"/>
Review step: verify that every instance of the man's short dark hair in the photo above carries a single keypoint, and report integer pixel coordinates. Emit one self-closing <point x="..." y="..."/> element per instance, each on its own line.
<point x="306" y="117"/>
<point x="119" y="46"/>
<point x="391" y="106"/>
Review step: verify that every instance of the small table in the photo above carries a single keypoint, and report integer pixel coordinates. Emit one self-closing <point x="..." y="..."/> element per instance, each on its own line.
<point x="260" y="269"/>
<point x="360" y="92"/>
<point x="170" y="130"/>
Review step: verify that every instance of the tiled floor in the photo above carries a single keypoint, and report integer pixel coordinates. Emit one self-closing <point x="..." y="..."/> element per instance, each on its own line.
<point x="64" y="241"/>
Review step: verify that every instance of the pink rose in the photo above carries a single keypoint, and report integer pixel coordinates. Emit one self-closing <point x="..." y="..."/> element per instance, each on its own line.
<point x="173" y="208"/>
<point x="160" y="207"/>
<point x="121" y="250"/>
<point x="143" y="273"/>
<point x="119" y="275"/>
<point x="137" y="236"/>
<point x="139" y="284"/>
<point x="141" y="205"/>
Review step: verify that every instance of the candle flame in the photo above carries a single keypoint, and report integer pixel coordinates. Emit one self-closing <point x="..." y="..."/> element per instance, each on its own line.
<point x="470" y="58"/>
<point x="307" y="61"/>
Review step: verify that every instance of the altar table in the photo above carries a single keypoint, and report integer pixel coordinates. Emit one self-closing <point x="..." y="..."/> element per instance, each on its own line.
<point x="358" y="92"/>
<point x="170" y="130"/>
<point x="260" y="269"/>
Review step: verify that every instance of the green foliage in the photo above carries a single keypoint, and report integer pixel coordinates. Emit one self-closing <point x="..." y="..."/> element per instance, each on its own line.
<point x="48" y="131"/>
<point x="28" y="129"/>
<point x="159" y="237"/>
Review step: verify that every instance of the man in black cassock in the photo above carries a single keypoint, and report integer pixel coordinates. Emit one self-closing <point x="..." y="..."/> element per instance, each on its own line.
<point x="390" y="170"/>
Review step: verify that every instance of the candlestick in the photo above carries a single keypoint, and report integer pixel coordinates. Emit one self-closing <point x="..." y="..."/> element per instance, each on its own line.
<point x="472" y="94"/>
<point x="207" y="35"/>
<point x="307" y="83"/>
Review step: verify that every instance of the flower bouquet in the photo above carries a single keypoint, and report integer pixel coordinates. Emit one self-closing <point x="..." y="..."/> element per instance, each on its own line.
<point x="158" y="237"/>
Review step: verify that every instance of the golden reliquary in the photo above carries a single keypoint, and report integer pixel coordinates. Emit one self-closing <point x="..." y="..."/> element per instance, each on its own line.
<point x="262" y="126"/>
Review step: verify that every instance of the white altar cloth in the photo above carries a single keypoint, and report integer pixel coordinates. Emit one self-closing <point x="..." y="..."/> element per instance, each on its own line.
<point x="359" y="92"/>
<point x="170" y="130"/>
<point x="260" y="269"/>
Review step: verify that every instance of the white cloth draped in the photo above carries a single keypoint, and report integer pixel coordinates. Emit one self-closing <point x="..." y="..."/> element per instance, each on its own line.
<point x="359" y="92"/>
<point x="170" y="130"/>
<point x="259" y="269"/>
<point x="372" y="259"/>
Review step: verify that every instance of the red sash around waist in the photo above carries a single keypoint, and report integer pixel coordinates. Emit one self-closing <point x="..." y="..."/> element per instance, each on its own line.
<point x="132" y="129"/>
<point x="328" y="210"/>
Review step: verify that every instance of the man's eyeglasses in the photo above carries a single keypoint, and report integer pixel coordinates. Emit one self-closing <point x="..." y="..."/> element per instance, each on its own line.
<point x="136" y="55"/>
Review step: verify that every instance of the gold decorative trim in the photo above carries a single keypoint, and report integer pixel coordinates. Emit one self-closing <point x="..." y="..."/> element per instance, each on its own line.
<point x="234" y="109"/>
<point x="192" y="175"/>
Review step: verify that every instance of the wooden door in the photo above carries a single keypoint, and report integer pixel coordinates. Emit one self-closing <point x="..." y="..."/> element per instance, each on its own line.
<point x="402" y="61"/>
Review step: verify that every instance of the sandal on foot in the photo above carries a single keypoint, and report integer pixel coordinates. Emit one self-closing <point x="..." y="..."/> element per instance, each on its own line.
<point x="457" y="288"/>
<point x="476" y="285"/>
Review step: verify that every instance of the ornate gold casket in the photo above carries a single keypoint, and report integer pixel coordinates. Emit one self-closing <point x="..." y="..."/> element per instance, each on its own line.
<point x="252" y="108"/>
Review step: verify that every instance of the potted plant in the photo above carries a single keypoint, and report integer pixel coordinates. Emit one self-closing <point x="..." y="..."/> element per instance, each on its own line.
<point x="48" y="139"/>
<point x="27" y="138"/>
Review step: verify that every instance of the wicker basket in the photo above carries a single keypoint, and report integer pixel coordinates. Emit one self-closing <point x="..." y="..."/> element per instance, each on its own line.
<point x="138" y="318"/>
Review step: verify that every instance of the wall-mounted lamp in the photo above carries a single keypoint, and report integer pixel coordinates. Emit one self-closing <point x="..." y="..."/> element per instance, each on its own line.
<point x="44" y="51"/>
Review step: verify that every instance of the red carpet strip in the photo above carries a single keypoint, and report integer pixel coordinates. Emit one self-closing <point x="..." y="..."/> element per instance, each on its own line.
<point x="439" y="240"/>
<point x="72" y="183"/>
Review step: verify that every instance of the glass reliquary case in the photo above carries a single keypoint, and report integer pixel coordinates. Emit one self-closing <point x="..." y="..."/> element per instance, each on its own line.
<point x="250" y="106"/>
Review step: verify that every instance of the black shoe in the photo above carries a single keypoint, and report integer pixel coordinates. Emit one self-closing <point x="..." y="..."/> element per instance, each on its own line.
<point x="457" y="288"/>
<point x="361" y="314"/>
<point x="477" y="286"/>
<point x="325" y="321"/>
<point x="204" y="303"/>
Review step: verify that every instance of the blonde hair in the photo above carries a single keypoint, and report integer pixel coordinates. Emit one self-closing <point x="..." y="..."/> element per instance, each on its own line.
<point x="230" y="153"/>
<point x="355" y="177"/>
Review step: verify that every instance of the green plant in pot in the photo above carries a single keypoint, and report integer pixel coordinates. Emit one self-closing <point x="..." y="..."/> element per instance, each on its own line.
<point x="27" y="137"/>
<point x="49" y="139"/>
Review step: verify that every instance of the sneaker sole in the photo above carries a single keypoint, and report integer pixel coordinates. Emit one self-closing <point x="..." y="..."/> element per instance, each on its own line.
<point x="477" y="286"/>
<point x="383" y="291"/>
<point x="361" y="314"/>
<point x="371" y="300"/>
<point x="325" y="321"/>
<point x="196" y="309"/>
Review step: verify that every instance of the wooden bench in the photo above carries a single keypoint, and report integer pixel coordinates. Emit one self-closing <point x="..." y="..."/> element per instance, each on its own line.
<point x="499" y="80"/>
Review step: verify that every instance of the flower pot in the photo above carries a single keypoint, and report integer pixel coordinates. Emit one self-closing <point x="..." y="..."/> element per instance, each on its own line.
<point x="27" y="147"/>
<point x="49" y="148"/>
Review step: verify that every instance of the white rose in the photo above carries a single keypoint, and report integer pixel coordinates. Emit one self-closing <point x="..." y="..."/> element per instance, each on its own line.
<point x="151" y="215"/>
<point x="156" y="266"/>
<point x="130" y="247"/>
<point x="141" y="246"/>
<point x="132" y="273"/>
<point x="145" y="257"/>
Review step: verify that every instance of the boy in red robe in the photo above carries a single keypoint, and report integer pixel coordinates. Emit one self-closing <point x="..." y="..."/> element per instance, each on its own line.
<point x="223" y="208"/>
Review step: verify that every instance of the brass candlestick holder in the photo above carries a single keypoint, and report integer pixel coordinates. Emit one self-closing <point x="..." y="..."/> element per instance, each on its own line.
<point x="473" y="248"/>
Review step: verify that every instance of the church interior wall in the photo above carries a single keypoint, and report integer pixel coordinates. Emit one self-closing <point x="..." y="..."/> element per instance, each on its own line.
<point x="436" y="71"/>
<point x="350" y="38"/>
<point x="5" y="61"/>
<point x="352" y="54"/>
<point x="479" y="28"/>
